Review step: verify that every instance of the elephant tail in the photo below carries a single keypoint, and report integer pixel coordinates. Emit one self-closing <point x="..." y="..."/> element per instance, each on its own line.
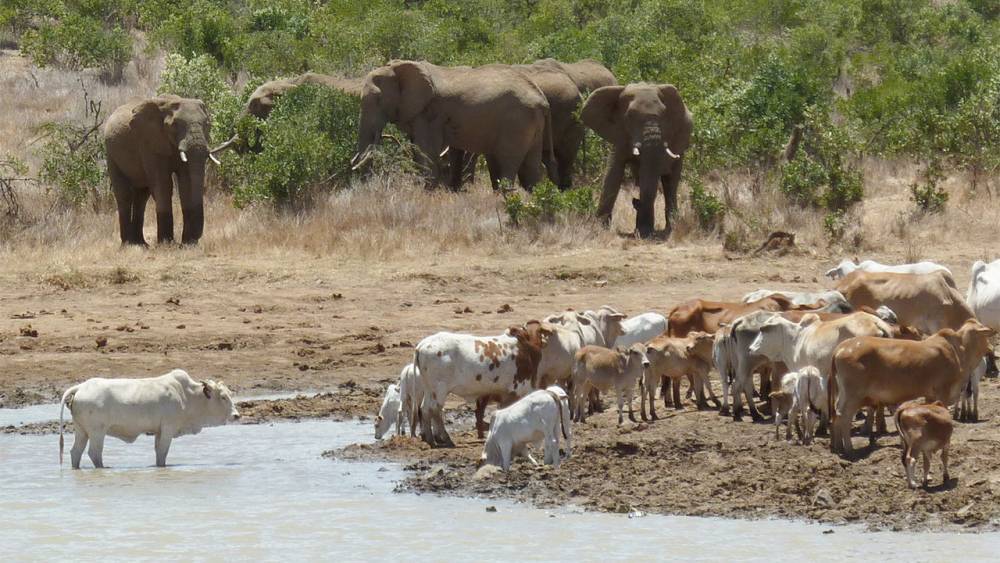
<point x="548" y="151"/>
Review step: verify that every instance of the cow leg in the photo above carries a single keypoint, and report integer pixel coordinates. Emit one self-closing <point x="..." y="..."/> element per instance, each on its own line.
<point x="880" y="421"/>
<point x="162" y="447"/>
<point x="651" y="392"/>
<point x="621" y="404"/>
<point x="777" y="424"/>
<point x="724" y="381"/>
<point x="427" y="424"/>
<point x="79" y="444"/>
<point x="441" y="436"/>
<point x="748" y="391"/>
<point x="96" y="450"/>
<point x="629" y="396"/>
<point x="480" y="416"/>
<point x="675" y="385"/>
<point x="944" y="462"/>
<point x="927" y="468"/>
<point x="642" y="400"/>
<point x="665" y="391"/>
<point x="690" y="390"/>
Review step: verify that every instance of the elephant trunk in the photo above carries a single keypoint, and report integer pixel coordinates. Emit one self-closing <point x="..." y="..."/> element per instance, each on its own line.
<point x="193" y="202"/>
<point x="369" y="135"/>
<point x="651" y="154"/>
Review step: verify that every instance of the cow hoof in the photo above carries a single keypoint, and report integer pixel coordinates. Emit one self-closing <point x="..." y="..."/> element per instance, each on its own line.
<point x="724" y="411"/>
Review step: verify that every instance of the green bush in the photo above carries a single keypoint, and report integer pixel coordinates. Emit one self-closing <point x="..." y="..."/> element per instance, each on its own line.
<point x="76" y="42"/>
<point x="707" y="207"/>
<point x="307" y="141"/>
<point x="199" y="77"/>
<point x="547" y="203"/>
<point x="73" y="164"/>
<point x="822" y="174"/>
<point x="929" y="196"/>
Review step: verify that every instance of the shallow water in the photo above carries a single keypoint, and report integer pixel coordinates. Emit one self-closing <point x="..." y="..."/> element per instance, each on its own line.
<point x="264" y="492"/>
<point x="50" y="411"/>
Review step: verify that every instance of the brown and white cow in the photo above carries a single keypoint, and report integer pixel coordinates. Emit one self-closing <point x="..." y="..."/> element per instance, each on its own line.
<point x="924" y="429"/>
<point x="926" y="302"/>
<point x="605" y="369"/>
<point x="476" y="368"/>
<point x="870" y="371"/>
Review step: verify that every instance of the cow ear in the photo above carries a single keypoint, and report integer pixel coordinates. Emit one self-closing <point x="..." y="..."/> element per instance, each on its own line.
<point x="206" y="389"/>
<point x="809" y="319"/>
<point x="582" y="319"/>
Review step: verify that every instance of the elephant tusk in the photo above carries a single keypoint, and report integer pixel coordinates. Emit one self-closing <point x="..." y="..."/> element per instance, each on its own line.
<point x="224" y="146"/>
<point x="364" y="160"/>
<point x="184" y="156"/>
<point x="355" y="158"/>
<point x="635" y="151"/>
<point x="214" y="159"/>
<point x="444" y="152"/>
<point x="671" y="153"/>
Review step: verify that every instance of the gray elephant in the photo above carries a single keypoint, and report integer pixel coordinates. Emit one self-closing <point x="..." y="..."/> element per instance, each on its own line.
<point x="649" y="129"/>
<point x="148" y="143"/>
<point x="494" y="111"/>
<point x="565" y="85"/>
<point x="262" y="100"/>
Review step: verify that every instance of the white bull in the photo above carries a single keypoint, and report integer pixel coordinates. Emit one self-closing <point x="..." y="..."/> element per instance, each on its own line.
<point x="540" y="417"/>
<point x="166" y="407"/>
<point x="640" y="329"/>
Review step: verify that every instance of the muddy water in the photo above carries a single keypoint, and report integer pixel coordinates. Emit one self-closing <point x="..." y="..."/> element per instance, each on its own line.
<point x="264" y="492"/>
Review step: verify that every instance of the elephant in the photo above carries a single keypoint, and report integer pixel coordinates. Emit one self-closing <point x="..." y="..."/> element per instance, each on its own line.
<point x="565" y="86"/>
<point x="148" y="142"/>
<point x="262" y="101"/>
<point x="649" y="128"/>
<point x="493" y="110"/>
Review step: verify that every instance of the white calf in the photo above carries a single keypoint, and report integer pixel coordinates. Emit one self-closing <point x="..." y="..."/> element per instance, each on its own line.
<point x="390" y="413"/>
<point x="540" y="417"/>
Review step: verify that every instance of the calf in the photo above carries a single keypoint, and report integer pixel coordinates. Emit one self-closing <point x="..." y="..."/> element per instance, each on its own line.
<point x="168" y="406"/>
<point x="411" y="396"/>
<point x="924" y="429"/>
<point x="389" y="413"/>
<point x="604" y="369"/>
<point x="783" y="403"/>
<point x="540" y="417"/>
<point x="673" y="359"/>
<point x="868" y="371"/>
<point x="476" y="368"/>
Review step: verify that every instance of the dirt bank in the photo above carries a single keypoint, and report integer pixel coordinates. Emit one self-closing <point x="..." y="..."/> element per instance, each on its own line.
<point x="701" y="464"/>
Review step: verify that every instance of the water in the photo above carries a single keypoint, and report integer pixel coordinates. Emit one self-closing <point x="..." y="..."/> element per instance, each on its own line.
<point x="263" y="492"/>
<point x="48" y="412"/>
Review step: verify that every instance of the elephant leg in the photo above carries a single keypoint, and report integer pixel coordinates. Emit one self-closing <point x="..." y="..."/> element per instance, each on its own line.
<point x="612" y="184"/>
<point x="566" y="152"/>
<point x="163" y="191"/>
<point x="494" y="168"/>
<point x="529" y="171"/>
<point x="469" y="168"/>
<point x="124" y="198"/>
<point x="139" y="201"/>
<point x="456" y="168"/>
<point x="669" y="183"/>
<point x="430" y="140"/>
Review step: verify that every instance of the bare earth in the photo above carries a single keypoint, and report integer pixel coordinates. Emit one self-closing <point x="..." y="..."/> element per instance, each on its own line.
<point x="345" y="328"/>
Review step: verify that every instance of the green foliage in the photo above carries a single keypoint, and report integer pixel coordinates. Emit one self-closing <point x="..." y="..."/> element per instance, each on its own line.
<point x="929" y="196"/>
<point x="835" y="224"/>
<point x="200" y="78"/>
<point x="77" y="42"/>
<point x="707" y="206"/>
<point x="821" y="174"/>
<point x="547" y="203"/>
<point x="72" y="163"/>
<point x="307" y="141"/>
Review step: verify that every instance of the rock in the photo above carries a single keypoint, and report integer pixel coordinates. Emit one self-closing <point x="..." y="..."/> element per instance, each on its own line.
<point x="965" y="510"/>
<point x="101" y="341"/>
<point x="487" y="473"/>
<point x="823" y="499"/>
<point x="636" y="514"/>
<point x="29" y="332"/>
<point x="505" y="308"/>
<point x="826" y="532"/>
<point x="491" y="508"/>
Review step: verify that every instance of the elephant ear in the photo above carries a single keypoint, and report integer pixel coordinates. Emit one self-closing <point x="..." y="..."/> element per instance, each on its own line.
<point x="677" y="118"/>
<point x="600" y="113"/>
<point x="416" y="88"/>
<point x="151" y="118"/>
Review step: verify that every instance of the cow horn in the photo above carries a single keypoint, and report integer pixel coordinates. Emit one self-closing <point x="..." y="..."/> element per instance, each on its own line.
<point x="184" y="156"/>
<point x="214" y="159"/>
<point x="444" y="152"/>
<point x="672" y="154"/>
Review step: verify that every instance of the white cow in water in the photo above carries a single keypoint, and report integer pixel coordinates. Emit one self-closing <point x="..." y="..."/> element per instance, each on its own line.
<point x="401" y="402"/>
<point x="538" y="418"/>
<point x="640" y="329"/>
<point x="168" y="406"/>
<point x="390" y="412"/>
<point x="926" y="267"/>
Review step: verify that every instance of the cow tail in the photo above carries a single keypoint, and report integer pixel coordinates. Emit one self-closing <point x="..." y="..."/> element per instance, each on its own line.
<point x="902" y="437"/>
<point x="67" y="396"/>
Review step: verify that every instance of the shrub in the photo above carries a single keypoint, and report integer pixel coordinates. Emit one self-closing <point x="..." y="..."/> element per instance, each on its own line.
<point x="546" y="204"/>
<point x="77" y="42"/>
<point x="707" y="206"/>
<point x="821" y="173"/>
<point x="199" y="77"/>
<point x="929" y="196"/>
<point x="73" y="163"/>
<point x="308" y="140"/>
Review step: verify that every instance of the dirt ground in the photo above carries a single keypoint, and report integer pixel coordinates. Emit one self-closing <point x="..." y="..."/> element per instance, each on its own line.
<point x="345" y="329"/>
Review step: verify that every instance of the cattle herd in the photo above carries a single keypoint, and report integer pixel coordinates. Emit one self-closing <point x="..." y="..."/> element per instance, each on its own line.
<point x="900" y="338"/>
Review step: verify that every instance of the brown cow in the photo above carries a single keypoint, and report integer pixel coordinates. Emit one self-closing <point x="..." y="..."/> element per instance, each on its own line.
<point x="707" y="316"/>
<point x="924" y="429"/>
<point x="925" y="302"/>
<point x="869" y="371"/>
<point x="599" y="368"/>
<point x="675" y="358"/>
